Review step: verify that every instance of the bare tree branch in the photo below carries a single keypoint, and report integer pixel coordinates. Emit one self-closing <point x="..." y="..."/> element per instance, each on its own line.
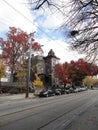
<point x="82" y="21"/>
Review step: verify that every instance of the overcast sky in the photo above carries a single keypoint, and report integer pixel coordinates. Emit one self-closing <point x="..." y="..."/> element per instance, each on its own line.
<point x="18" y="14"/>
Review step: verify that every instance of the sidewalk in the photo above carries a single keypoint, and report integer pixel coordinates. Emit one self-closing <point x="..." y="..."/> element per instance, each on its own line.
<point x="14" y="103"/>
<point x="15" y="96"/>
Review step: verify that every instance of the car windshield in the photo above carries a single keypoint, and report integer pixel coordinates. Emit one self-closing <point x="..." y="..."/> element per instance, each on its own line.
<point x="66" y="88"/>
<point x="45" y="92"/>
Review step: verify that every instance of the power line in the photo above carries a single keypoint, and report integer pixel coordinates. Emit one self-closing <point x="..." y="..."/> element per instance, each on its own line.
<point x="5" y="20"/>
<point x="17" y="11"/>
<point x="30" y="21"/>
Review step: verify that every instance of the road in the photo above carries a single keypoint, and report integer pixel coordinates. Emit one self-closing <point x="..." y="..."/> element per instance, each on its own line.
<point x="66" y="112"/>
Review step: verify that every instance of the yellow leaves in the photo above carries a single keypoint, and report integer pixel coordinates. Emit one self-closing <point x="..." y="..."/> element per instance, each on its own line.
<point x="21" y="73"/>
<point x="2" y="69"/>
<point x="90" y="80"/>
<point x="38" y="81"/>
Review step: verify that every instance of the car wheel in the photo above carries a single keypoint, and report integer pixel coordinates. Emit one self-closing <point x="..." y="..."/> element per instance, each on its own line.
<point x="59" y="93"/>
<point x="47" y="95"/>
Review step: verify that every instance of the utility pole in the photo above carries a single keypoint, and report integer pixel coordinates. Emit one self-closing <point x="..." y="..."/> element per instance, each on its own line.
<point x="30" y="36"/>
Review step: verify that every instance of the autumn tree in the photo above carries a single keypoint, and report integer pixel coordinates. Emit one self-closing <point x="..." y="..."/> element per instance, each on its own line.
<point x="21" y="73"/>
<point x="16" y="47"/>
<point x="61" y="72"/>
<point x="37" y="82"/>
<point x="2" y="70"/>
<point x="90" y="81"/>
<point x="75" y="71"/>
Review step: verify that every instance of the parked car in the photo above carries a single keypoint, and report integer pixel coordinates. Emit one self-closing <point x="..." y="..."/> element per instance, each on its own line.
<point x="76" y="90"/>
<point x="69" y="90"/>
<point x="46" y="93"/>
<point x="57" y="91"/>
<point x="63" y="91"/>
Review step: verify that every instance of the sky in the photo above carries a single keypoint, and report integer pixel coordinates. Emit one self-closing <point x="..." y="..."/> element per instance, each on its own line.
<point x="45" y="23"/>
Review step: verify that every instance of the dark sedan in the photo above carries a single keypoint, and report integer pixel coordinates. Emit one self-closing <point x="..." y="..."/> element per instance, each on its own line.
<point x="46" y="93"/>
<point x="60" y="91"/>
<point x="69" y="90"/>
<point x="57" y="91"/>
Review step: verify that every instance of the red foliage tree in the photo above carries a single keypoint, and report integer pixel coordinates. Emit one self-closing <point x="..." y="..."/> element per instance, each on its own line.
<point x="15" y="46"/>
<point x="75" y="71"/>
<point x="59" y="72"/>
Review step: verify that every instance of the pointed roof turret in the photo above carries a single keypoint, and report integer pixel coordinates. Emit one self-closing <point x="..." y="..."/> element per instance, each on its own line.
<point x="51" y="54"/>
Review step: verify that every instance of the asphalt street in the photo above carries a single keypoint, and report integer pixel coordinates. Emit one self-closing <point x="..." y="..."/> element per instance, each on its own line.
<point x="77" y="111"/>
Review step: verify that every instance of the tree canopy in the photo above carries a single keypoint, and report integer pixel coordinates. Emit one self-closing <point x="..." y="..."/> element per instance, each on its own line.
<point x="16" y="46"/>
<point x="90" y="81"/>
<point x="75" y="71"/>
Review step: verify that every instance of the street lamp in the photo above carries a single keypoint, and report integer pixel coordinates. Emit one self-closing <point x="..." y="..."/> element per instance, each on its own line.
<point x="30" y="36"/>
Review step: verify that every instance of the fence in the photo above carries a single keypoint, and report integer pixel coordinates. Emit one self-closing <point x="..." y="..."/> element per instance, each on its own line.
<point x="15" y="87"/>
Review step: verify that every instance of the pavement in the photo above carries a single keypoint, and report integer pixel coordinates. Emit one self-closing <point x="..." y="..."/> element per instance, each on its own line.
<point x="86" y="121"/>
<point x="4" y="97"/>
